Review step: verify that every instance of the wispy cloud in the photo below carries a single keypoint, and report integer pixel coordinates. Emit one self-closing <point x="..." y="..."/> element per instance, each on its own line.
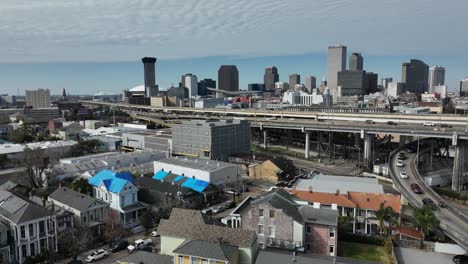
<point x="109" y="30"/>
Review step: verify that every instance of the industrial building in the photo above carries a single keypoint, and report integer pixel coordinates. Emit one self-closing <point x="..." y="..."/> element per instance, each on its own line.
<point x="211" y="139"/>
<point x="159" y="140"/>
<point x="210" y="171"/>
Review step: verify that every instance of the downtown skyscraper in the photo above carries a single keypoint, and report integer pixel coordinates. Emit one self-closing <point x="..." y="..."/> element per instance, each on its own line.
<point x="415" y="75"/>
<point x="228" y="78"/>
<point x="436" y="77"/>
<point x="270" y="77"/>
<point x="336" y="63"/>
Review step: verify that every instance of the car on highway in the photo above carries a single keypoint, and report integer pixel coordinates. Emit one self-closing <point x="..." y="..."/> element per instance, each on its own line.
<point x="400" y="164"/>
<point x="370" y="122"/>
<point x="428" y="124"/>
<point x="416" y="189"/>
<point x="403" y="175"/>
<point x="118" y="246"/>
<point x="445" y="125"/>
<point x="429" y="202"/>
<point x="97" y="255"/>
<point x="460" y="259"/>
<point x="391" y="123"/>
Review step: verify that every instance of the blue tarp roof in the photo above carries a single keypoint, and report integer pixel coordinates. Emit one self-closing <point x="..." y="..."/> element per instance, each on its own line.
<point x="159" y="175"/>
<point x="194" y="184"/>
<point x="113" y="181"/>
<point x="178" y="178"/>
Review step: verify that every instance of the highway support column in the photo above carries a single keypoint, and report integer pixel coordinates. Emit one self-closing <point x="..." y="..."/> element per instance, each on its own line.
<point x="368" y="140"/>
<point x="307" y="144"/>
<point x="265" y="138"/>
<point x="458" y="160"/>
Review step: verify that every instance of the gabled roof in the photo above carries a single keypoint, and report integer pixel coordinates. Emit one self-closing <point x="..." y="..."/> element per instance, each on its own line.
<point x="18" y="210"/>
<point x="143" y="257"/>
<point x="325" y="198"/>
<point x="74" y="199"/>
<point x="190" y="224"/>
<point x="204" y="249"/>
<point x="112" y="181"/>
<point x="372" y="201"/>
<point x="410" y="232"/>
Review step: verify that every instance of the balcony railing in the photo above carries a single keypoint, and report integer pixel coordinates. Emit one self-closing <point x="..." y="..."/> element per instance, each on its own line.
<point x="283" y="244"/>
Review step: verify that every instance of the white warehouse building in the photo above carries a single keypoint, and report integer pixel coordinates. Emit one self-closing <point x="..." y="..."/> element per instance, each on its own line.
<point x="214" y="172"/>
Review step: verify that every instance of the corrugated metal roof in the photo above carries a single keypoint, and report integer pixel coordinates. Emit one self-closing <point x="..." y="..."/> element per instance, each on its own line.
<point x="196" y="185"/>
<point x="114" y="182"/>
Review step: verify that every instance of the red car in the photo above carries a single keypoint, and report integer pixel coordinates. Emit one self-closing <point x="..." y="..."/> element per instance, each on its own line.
<point x="416" y="189"/>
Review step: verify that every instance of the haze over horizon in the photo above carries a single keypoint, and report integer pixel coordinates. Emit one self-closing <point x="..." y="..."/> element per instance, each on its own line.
<point x="85" y="46"/>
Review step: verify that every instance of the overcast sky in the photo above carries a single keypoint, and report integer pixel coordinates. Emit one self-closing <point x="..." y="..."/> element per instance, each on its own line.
<point x="45" y="31"/>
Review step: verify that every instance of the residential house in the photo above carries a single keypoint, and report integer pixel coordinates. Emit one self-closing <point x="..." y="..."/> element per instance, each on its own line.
<point x="187" y="232"/>
<point x="5" y="255"/>
<point x="360" y="206"/>
<point x="32" y="227"/>
<point x="119" y="190"/>
<point x="267" y="168"/>
<point x="282" y="222"/>
<point x="86" y="210"/>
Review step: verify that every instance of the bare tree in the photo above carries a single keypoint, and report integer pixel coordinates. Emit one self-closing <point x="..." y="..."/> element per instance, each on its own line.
<point x="35" y="161"/>
<point x="75" y="241"/>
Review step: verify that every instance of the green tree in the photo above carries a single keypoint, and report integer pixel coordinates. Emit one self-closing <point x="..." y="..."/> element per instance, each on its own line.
<point x="21" y="135"/>
<point x="75" y="241"/>
<point x="386" y="218"/>
<point x="82" y="186"/>
<point x="147" y="220"/>
<point x="426" y="220"/>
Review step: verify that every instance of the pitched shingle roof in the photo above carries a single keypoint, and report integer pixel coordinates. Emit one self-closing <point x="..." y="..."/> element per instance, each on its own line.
<point x="143" y="257"/>
<point x="191" y="224"/>
<point x="19" y="210"/>
<point x="74" y="199"/>
<point x="204" y="249"/>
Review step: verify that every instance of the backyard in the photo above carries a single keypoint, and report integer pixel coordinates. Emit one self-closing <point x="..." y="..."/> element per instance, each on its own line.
<point x="362" y="251"/>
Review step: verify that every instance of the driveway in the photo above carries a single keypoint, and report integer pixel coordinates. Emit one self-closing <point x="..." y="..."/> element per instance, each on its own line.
<point x="410" y="256"/>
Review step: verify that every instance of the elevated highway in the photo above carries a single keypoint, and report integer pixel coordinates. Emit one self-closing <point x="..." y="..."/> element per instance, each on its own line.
<point x="452" y="221"/>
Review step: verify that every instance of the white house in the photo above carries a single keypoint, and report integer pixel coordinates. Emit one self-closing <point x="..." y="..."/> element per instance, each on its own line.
<point x="119" y="190"/>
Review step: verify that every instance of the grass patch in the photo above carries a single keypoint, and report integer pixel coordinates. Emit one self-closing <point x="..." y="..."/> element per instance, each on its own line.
<point x="362" y="251"/>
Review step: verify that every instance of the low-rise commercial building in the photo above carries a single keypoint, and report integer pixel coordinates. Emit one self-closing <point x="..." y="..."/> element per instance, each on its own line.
<point x="159" y="140"/>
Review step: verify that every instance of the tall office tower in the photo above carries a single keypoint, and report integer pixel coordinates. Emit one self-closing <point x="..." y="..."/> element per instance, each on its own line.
<point x="356" y="62"/>
<point x="293" y="80"/>
<point x="415" y="75"/>
<point x="228" y="78"/>
<point x="270" y="77"/>
<point x="256" y="87"/>
<point x="151" y="88"/>
<point x="464" y="87"/>
<point x="352" y="83"/>
<point x="385" y="81"/>
<point x="372" y="80"/>
<point x="336" y="63"/>
<point x="203" y="86"/>
<point x="310" y="83"/>
<point x="39" y="98"/>
<point x="436" y="77"/>
<point x="190" y="81"/>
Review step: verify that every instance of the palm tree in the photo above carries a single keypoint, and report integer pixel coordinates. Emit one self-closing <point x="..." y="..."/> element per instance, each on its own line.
<point x="385" y="216"/>
<point x="426" y="221"/>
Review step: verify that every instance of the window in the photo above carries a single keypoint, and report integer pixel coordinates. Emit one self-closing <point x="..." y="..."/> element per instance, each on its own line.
<point x="32" y="249"/>
<point x="332" y="232"/>
<point x="272" y="231"/>
<point x="122" y="202"/>
<point x="134" y="198"/>
<point x="106" y="196"/>
<point x="308" y="247"/>
<point x="41" y="227"/>
<point x="260" y="230"/>
<point x="24" y="252"/>
<point x="204" y="261"/>
<point x="260" y="212"/>
<point x="193" y="260"/>
<point x="181" y="260"/>
<point x="272" y="213"/>
<point x="331" y="249"/>
<point x="23" y="232"/>
<point x="308" y="229"/>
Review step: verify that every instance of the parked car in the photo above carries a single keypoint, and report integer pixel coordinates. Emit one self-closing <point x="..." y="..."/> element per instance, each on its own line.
<point x="97" y="255"/>
<point x="146" y="248"/>
<point x="391" y="123"/>
<point x="460" y="259"/>
<point x="281" y="184"/>
<point x="154" y="233"/>
<point x="139" y="243"/>
<point x="370" y="122"/>
<point x="218" y="209"/>
<point x="118" y="246"/>
<point x="428" y="124"/>
<point x="416" y="189"/>
<point x="400" y="164"/>
<point x="410" y="150"/>
<point x="442" y="204"/>
<point x="207" y="211"/>
<point x="75" y="262"/>
<point x="445" y="125"/>
<point x="231" y="191"/>
<point x="403" y="175"/>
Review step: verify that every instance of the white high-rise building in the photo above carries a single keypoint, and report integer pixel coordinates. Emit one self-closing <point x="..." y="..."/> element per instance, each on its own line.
<point x="191" y="82"/>
<point x="39" y="98"/>
<point x="336" y="63"/>
<point x="436" y="77"/>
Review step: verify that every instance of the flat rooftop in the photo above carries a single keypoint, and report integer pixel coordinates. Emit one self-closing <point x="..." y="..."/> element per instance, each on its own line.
<point x="198" y="164"/>
<point x="331" y="183"/>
